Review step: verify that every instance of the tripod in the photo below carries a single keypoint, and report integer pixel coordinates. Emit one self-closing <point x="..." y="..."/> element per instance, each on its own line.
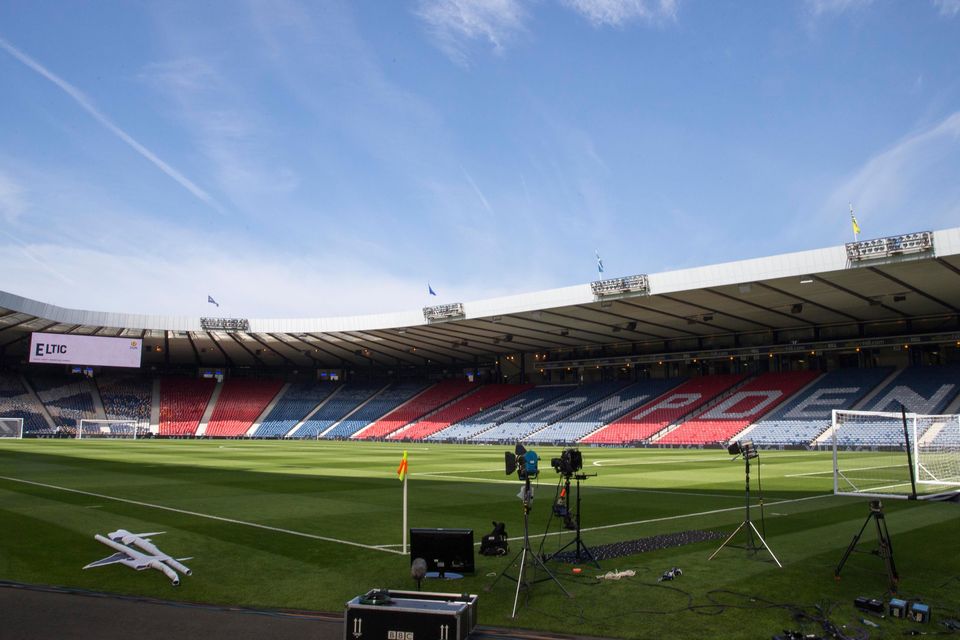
<point x="581" y="550"/>
<point x="885" y="547"/>
<point x="526" y="556"/>
<point x="748" y="525"/>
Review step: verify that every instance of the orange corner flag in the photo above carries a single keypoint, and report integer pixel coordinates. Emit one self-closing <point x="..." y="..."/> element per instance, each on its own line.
<point x="402" y="469"/>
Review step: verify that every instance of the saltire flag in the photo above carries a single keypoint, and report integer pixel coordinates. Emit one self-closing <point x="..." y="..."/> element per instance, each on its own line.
<point x="853" y="221"/>
<point x="430" y="290"/>
<point x="599" y="262"/>
<point x="212" y="301"/>
<point x="402" y="469"/>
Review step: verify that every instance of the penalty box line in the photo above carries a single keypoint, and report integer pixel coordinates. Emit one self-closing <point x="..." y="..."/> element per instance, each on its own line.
<point x="205" y="515"/>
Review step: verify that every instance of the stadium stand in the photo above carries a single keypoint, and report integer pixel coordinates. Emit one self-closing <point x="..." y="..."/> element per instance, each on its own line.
<point x="808" y="414"/>
<point x="744" y="406"/>
<point x="483" y="398"/>
<point x="383" y="403"/>
<point x="68" y="400"/>
<point x="505" y="411"/>
<point x="17" y="402"/>
<point x="296" y="404"/>
<point x="125" y="397"/>
<point x="573" y="428"/>
<point x="536" y="419"/>
<point x="654" y="416"/>
<point x="182" y="403"/>
<point x="430" y="400"/>
<point x="923" y="390"/>
<point x="239" y="404"/>
<point x="347" y="398"/>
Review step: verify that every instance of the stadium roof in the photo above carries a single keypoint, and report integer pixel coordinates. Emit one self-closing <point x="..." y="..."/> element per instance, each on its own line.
<point x="907" y="281"/>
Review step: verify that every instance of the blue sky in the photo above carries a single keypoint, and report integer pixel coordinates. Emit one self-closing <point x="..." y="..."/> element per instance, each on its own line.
<point x="301" y="159"/>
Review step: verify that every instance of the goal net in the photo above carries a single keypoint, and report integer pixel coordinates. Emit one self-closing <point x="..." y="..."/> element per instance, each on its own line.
<point x="131" y="429"/>
<point x="11" y="427"/>
<point x="890" y="454"/>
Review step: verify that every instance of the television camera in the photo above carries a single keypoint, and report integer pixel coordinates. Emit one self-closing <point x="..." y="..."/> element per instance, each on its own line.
<point x="569" y="462"/>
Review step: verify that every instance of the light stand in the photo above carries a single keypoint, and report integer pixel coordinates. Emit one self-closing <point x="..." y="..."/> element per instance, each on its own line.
<point x="747" y="451"/>
<point x="526" y="556"/>
<point x="582" y="552"/>
<point x="885" y="547"/>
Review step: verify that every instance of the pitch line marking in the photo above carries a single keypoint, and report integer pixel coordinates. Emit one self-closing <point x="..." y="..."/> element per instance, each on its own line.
<point x="205" y="515"/>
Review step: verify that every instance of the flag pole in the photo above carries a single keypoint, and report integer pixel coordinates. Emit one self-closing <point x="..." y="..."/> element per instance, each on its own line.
<point x="404" y="548"/>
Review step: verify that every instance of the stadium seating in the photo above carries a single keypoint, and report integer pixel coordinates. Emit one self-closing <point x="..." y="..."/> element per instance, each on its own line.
<point x="296" y="404"/>
<point x="347" y="398"/>
<point x="572" y="428"/>
<point x="923" y="390"/>
<point x="17" y="402"/>
<point x="524" y="425"/>
<point x="656" y="415"/>
<point x="483" y="398"/>
<point x="182" y="403"/>
<point x="126" y="397"/>
<point x="808" y="414"/>
<point x="382" y="404"/>
<point x="68" y="400"/>
<point x="505" y="411"/>
<point x="430" y="400"/>
<point x="240" y="403"/>
<point x="745" y="406"/>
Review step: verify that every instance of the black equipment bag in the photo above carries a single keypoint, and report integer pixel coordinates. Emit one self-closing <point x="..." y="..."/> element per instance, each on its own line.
<point x="495" y="542"/>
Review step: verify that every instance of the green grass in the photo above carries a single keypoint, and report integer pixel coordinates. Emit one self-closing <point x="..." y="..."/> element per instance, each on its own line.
<point x="333" y="491"/>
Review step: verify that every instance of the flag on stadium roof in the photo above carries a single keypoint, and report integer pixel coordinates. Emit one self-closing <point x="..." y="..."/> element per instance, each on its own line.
<point x="599" y="263"/>
<point x="212" y="301"/>
<point x="430" y="290"/>
<point x="853" y="221"/>
<point x="402" y="469"/>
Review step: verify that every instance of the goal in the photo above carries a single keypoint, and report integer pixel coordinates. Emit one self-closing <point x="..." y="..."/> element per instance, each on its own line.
<point x="130" y="429"/>
<point x="11" y="427"/>
<point x="895" y="455"/>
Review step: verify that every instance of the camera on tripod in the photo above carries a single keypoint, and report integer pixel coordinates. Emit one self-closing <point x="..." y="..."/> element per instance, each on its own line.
<point x="525" y="463"/>
<point x="569" y="462"/>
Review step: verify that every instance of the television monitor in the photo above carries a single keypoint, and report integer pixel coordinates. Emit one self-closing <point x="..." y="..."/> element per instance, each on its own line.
<point x="448" y="552"/>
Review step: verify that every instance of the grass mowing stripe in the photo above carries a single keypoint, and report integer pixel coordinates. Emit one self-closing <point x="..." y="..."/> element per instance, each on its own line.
<point x="684" y="515"/>
<point x="204" y="515"/>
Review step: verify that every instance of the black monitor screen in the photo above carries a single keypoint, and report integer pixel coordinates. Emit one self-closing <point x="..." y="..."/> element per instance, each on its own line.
<point x="443" y="549"/>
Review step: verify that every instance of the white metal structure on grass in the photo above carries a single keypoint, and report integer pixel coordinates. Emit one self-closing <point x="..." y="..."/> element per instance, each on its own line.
<point x="11" y="427"/>
<point x="91" y="428"/>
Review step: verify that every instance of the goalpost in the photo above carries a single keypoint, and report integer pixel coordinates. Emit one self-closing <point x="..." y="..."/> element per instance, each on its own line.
<point x="895" y="454"/>
<point x="117" y="429"/>
<point x="11" y="427"/>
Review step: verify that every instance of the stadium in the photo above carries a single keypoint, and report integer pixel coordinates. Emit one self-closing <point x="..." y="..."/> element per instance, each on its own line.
<point x="267" y="450"/>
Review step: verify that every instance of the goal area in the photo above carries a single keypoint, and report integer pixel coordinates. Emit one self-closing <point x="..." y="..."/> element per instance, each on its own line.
<point x="895" y="454"/>
<point x="115" y="429"/>
<point x="11" y="427"/>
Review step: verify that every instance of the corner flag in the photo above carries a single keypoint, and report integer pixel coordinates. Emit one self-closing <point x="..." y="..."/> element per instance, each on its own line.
<point x="402" y="469"/>
<point x="853" y="221"/>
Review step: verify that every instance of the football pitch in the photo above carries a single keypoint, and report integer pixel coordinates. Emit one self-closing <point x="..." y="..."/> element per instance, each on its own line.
<point x="309" y="525"/>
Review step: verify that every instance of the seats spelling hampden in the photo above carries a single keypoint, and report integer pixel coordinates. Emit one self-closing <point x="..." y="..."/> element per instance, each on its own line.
<point x="296" y="404"/>
<point x="483" y="398"/>
<point x="656" y="415"/>
<point x="745" y="406"/>
<point x="430" y="400"/>
<point x="572" y="428"/>
<point x="808" y="414"/>
<point x="384" y="402"/>
<point x="347" y="398"/>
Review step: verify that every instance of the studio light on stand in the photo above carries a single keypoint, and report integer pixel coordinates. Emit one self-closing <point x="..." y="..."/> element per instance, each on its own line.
<point x="526" y="465"/>
<point x="747" y="450"/>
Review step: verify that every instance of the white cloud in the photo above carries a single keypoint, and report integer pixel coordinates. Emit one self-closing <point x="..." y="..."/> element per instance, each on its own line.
<point x="821" y="7"/>
<point x="88" y="106"/>
<point x="948" y="8"/>
<point x="915" y="176"/>
<point x="454" y="24"/>
<point x="617" y="12"/>
<point x="12" y="200"/>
